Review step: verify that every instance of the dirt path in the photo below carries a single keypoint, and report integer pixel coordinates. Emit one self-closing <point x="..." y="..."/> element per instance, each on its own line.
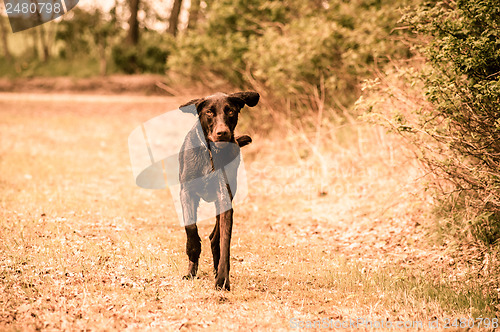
<point x="82" y="247"/>
<point x="87" y="98"/>
<point x="108" y="85"/>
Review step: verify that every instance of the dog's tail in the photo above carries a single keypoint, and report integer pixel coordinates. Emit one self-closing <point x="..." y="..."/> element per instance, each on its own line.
<point x="243" y="140"/>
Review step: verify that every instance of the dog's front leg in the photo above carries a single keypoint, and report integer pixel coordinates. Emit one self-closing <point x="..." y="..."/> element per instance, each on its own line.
<point x="193" y="250"/>
<point x="225" y="229"/>
<point x="193" y="244"/>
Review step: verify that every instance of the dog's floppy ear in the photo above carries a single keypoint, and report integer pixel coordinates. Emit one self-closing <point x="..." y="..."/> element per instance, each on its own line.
<point x="192" y="106"/>
<point x="249" y="98"/>
<point x="243" y="140"/>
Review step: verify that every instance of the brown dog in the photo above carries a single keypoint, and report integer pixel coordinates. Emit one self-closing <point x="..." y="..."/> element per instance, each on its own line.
<point x="208" y="165"/>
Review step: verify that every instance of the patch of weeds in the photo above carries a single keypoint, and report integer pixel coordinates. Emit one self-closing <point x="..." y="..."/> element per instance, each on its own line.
<point x="405" y="289"/>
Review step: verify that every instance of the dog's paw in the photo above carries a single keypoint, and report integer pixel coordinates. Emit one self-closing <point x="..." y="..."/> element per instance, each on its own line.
<point x="222" y="284"/>
<point x="192" y="271"/>
<point x="189" y="277"/>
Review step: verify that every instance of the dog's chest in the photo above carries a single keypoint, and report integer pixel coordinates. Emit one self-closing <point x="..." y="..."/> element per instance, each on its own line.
<point x="208" y="172"/>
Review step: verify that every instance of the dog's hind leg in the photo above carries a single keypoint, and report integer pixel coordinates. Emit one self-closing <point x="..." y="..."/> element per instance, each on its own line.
<point x="193" y="243"/>
<point x="215" y="244"/>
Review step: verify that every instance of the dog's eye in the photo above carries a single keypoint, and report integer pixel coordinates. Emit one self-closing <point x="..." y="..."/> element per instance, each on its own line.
<point x="210" y="113"/>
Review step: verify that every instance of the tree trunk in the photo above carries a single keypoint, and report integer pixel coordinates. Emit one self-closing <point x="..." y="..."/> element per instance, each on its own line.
<point x="173" y="21"/>
<point x="34" y="35"/>
<point x="103" y="63"/>
<point x="133" y="22"/>
<point x="194" y="11"/>
<point x="45" y="44"/>
<point x="5" y="42"/>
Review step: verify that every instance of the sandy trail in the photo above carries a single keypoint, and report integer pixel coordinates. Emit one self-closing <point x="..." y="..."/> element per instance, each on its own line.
<point x="95" y="251"/>
<point x="87" y="98"/>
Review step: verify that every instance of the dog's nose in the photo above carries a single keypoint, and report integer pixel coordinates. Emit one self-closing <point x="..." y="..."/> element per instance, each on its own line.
<point x="222" y="134"/>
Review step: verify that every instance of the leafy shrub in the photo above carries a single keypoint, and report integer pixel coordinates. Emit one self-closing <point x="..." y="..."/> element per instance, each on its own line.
<point x="292" y="60"/>
<point x="326" y="54"/>
<point x="198" y="54"/>
<point x="463" y="82"/>
<point x="220" y="43"/>
<point x="125" y="58"/>
<point x="85" y="32"/>
<point x="301" y="53"/>
<point x="458" y="136"/>
<point x="149" y="56"/>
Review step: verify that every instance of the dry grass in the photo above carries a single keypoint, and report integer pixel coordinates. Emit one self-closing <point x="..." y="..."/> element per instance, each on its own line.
<point x="329" y="231"/>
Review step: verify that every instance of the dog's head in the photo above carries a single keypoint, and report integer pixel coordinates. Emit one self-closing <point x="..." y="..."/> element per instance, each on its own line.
<point x="218" y="113"/>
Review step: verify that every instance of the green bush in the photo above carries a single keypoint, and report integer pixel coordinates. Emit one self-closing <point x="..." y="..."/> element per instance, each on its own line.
<point x="292" y="60"/>
<point x="302" y="53"/>
<point x="218" y="46"/>
<point x="198" y="54"/>
<point x="149" y="56"/>
<point x="457" y="135"/>
<point x="125" y="58"/>
<point x="326" y="53"/>
<point x="463" y="82"/>
<point x="86" y="32"/>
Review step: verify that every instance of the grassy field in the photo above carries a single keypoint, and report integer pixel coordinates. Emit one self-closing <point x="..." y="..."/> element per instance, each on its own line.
<point x="332" y="230"/>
